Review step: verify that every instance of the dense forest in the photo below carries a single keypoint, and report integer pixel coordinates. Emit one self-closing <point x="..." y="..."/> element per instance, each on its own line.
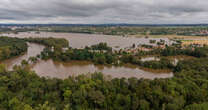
<point x="10" y="47"/>
<point x="22" y="89"/>
<point x="49" y="42"/>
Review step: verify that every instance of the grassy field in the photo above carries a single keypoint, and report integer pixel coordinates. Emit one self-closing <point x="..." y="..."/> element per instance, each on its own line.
<point x="200" y="42"/>
<point x="172" y="36"/>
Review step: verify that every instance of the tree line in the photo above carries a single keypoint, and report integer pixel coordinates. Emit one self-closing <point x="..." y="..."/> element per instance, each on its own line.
<point x="10" y="47"/>
<point x="22" y="89"/>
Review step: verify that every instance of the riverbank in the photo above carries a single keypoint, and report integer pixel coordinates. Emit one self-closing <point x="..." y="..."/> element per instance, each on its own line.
<point x="63" y="70"/>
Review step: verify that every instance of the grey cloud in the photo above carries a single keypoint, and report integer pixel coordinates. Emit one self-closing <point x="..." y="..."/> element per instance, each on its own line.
<point x="103" y="11"/>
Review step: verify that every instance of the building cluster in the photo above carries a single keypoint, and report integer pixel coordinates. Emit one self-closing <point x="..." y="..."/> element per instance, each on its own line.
<point x="17" y="27"/>
<point x="135" y="49"/>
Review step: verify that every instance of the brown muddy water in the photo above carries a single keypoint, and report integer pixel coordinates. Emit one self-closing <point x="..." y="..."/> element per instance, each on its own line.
<point x="74" y="68"/>
<point x="150" y="58"/>
<point x="33" y="50"/>
<point x="53" y="69"/>
<point x="82" y="40"/>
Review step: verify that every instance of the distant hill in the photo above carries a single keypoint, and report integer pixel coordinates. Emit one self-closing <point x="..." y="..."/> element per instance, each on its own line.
<point x="123" y="24"/>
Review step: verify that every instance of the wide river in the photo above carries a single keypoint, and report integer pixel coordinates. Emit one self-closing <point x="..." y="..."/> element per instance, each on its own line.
<point x="63" y="70"/>
<point x="82" y="40"/>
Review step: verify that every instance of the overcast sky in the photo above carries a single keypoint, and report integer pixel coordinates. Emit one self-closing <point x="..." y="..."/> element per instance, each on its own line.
<point x="104" y="11"/>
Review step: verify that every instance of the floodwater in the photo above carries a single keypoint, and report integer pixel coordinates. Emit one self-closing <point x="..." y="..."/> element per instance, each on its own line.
<point x="151" y="58"/>
<point x="63" y="70"/>
<point x="81" y="40"/>
<point x="32" y="51"/>
<point x="74" y="68"/>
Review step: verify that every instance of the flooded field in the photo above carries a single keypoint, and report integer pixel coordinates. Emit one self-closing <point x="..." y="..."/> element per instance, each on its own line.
<point x="63" y="70"/>
<point x="82" y="40"/>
